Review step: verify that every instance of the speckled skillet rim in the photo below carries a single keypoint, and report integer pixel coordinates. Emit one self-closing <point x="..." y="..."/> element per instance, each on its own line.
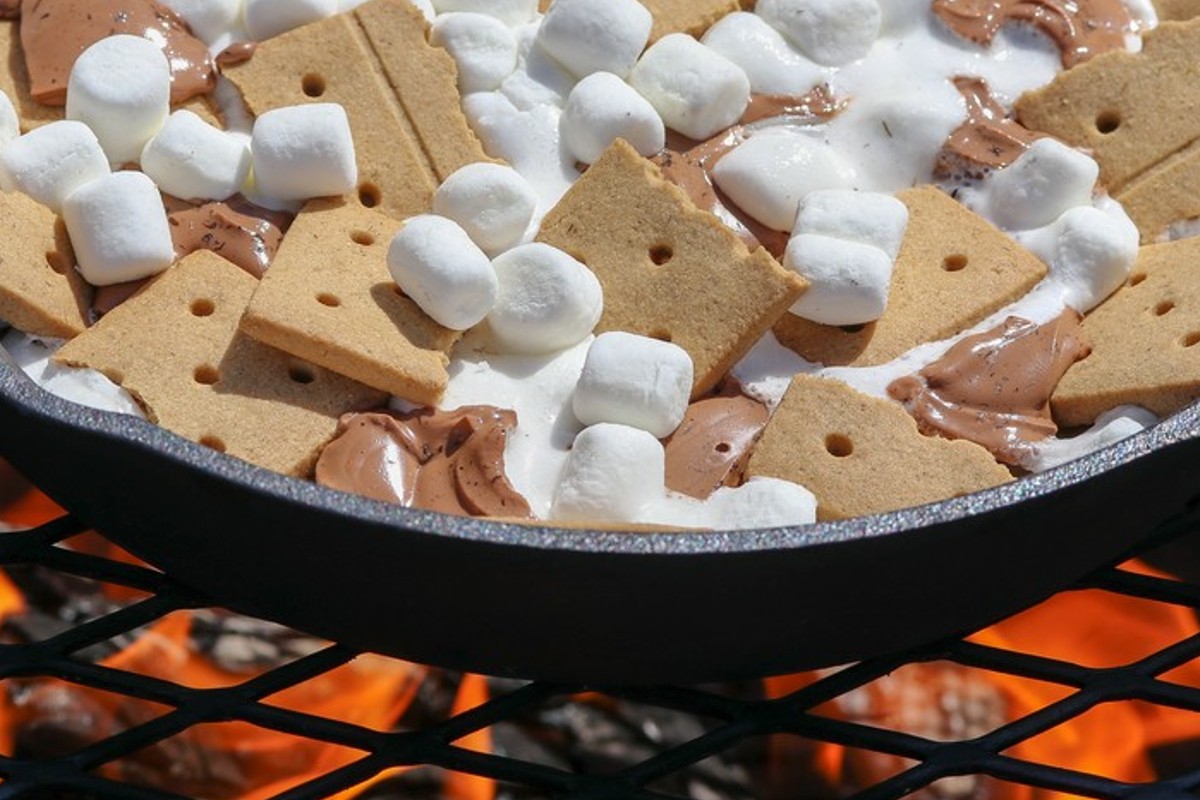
<point x="130" y="431"/>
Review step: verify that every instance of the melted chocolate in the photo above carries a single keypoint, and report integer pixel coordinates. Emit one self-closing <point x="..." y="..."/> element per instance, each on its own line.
<point x="989" y="139"/>
<point x="236" y="229"/>
<point x="711" y="447"/>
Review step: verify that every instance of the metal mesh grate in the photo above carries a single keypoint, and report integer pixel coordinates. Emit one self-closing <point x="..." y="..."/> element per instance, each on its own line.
<point x="730" y="720"/>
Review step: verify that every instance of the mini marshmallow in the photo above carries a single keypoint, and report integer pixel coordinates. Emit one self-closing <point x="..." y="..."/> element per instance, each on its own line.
<point x="613" y="474"/>
<point x="770" y="172"/>
<point x="587" y="36"/>
<point x="10" y="125"/>
<point x="1094" y="253"/>
<point x="538" y="80"/>
<point x="304" y="151"/>
<point x="1039" y="187"/>
<point x="268" y="18"/>
<point x="761" y="503"/>
<point x="493" y="203"/>
<point x="483" y="48"/>
<point x="697" y="91"/>
<point x="192" y="160"/>
<point x="119" y="229"/>
<point x="864" y="217"/>
<point x="435" y="263"/>
<point x="634" y="380"/>
<point x="50" y="162"/>
<point x="121" y="88"/>
<point x="603" y="108"/>
<point x="849" y="282"/>
<point x="510" y="12"/>
<point x="768" y="59"/>
<point x="208" y="19"/>
<point x="547" y="301"/>
<point x="830" y="32"/>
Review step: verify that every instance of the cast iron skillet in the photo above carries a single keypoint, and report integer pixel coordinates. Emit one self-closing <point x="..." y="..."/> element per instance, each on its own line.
<point x="591" y="606"/>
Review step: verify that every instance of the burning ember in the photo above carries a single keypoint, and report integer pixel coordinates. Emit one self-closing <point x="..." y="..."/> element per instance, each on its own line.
<point x="44" y="718"/>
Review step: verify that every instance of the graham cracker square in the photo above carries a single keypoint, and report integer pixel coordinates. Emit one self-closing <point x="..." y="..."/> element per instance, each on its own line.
<point x="40" y="291"/>
<point x="669" y="270"/>
<point x="176" y="347"/>
<point x="1166" y="193"/>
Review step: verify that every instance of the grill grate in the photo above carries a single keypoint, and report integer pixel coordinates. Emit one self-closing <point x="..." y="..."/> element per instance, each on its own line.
<point x="733" y="720"/>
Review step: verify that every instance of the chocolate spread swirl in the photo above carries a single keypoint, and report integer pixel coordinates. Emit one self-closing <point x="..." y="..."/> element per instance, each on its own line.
<point x="994" y="388"/>
<point x="55" y="32"/>
<point x="712" y="445"/>
<point x="448" y="461"/>
<point x="1081" y="28"/>
<point x="989" y="139"/>
<point x="236" y="229"/>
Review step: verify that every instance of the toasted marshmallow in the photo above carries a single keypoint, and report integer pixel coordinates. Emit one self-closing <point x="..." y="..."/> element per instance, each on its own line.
<point x="208" y="19"/>
<point x="863" y="217"/>
<point x="1094" y="252"/>
<point x="483" y="48"/>
<point x="770" y="172"/>
<point x="192" y="160"/>
<point x="696" y="91"/>
<point x="435" y="263"/>
<point x="10" y="125"/>
<point x="761" y="503"/>
<point x="770" y="62"/>
<point x="121" y="88"/>
<point x="494" y="204"/>
<point x="547" y="301"/>
<point x="849" y="282"/>
<point x="587" y="36"/>
<point x="510" y="12"/>
<point x="1041" y="185"/>
<point x="613" y="474"/>
<point x="268" y="18"/>
<point x="830" y="32"/>
<point x="50" y="162"/>
<point x="636" y="381"/>
<point x="603" y="108"/>
<point x="119" y="229"/>
<point x="305" y="151"/>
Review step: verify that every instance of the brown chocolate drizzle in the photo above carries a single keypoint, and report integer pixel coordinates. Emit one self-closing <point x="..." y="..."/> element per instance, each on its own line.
<point x="55" y="32"/>
<point x="236" y="229"/>
<point x="989" y="139"/>
<point x="448" y="461"/>
<point x="1081" y="28"/>
<point x="711" y="448"/>
<point x="994" y="388"/>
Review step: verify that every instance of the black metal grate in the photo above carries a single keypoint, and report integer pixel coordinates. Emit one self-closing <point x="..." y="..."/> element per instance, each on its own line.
<point x="732" y="720"/>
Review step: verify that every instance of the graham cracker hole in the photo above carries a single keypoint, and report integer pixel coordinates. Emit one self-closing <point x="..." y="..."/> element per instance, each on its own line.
<point x="301" y="374"/>
<point x="206" y="375"/>
<point x="955" y="263"/>
<point x="369" y="195"/>
<point x="839" y="445"/>
<point x="1164" y="308"/>
<point x="661" y="334"/>
<point x="1191" y="340"/>
<point x="313" y="84"/>
<point x="724" y="447"/>
<point x="661" y="254"/>
<point x="365" y="238"/>
<point x="57" y="262"/>
<point x="1136" y="278"/>
<point x="203" y="308"/>
<point x="329" y="300"/>
<point x="213" y="443"/>
<point x="1108" y="121"/>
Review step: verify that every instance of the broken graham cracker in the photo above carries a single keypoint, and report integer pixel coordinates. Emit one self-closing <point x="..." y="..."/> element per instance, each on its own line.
<point x="328" y="298"/>
<point x="669" y="270"/>
<point x="954" y="269"/>
<point x="693" y="17"/>
<point x="1165" y="194"/>
<point x="1176" y="9"/>
<point x="1145" y="341"/>
<point x="40" y="290"/>
<point x="399" y="92"/>
<point x="1132" y="110"/>
<point x="862" y="455"/>
<point x="176" y="347"/>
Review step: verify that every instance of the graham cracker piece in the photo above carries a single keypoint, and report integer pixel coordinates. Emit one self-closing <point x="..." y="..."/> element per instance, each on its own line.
<point x="669" y="270"/>
<point x="40" y="291"/>
<point x="1144" y="341"/>
<point x="693" y="17"/>
<point x="1177" y="9"/>
<point x="1164" y="194"/>
<point x="328" y="298"/>
<point x="176" y="347"/>
<point x="862" y="455"/>
<point x="1132" y="110"/>
<point x="398" y="91"/>
<point x="954" y="269"/>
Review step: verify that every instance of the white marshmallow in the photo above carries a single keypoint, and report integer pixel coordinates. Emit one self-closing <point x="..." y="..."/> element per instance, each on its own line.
<point x="304" y="151"/>
<point x="613" y="474"/>
<point x="483" y="48"/>
<point x="603" y="108"/>
<point x="636" y="381"/>
<point x="538" y="80"/>
<point x="424" y="6"/>
<point x="510" y="12"/>
<point x="547" y="302"/>
<point x="1109" y="428"/>
<point x="1041" y="185"/>
<point x="864" y="217"/>
<point x="50" y="162"/>
<point x="770" y="172"/>
<point x="268" y="18"/>
<point x="121" y="88"/>
<point x="849" y="281"/>
<point x="761" y="503"/>
<point x="436" y="264"/>
<point x="587" y="36"/>
<point x="192" y="160"/>
<point x="119" y="229"/>
<point x="208" y="19"/>
<point x="697" y="91"/>
<point x="769" y="60"/>
<point x="10" y="125"/>
<point x="830" y="32"/>
<point x="1095" y="251"/>
<point x="494" y="204"/>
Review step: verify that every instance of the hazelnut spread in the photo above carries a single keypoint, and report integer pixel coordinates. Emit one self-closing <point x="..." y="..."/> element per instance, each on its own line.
<point x="449" y="461"/>
<point x="989" y="138"/>
<point x="994" y="388"/>
<point x="713" y="443"/>
<point x="235" y="229"/>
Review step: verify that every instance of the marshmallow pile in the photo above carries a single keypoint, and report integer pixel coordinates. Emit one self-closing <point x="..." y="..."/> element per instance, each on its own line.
<point x="118" y="113"/>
